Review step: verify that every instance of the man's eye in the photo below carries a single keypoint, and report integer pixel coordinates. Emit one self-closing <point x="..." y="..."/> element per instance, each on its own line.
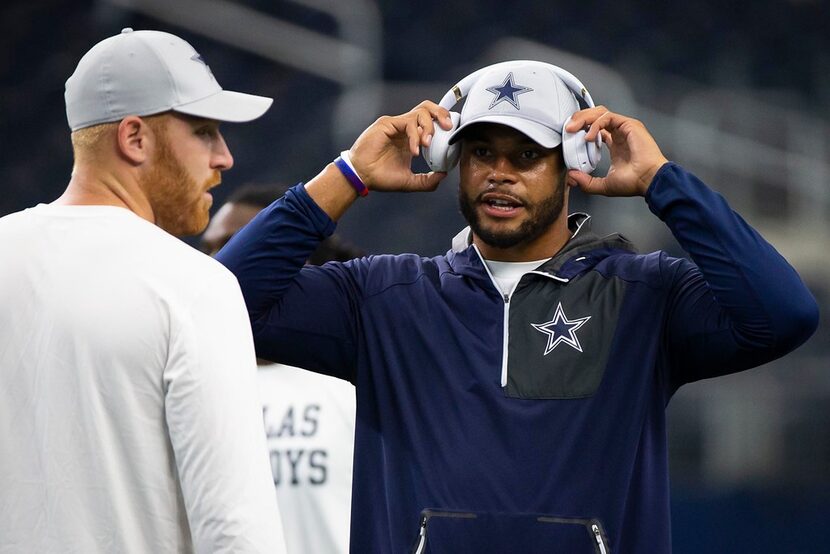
<point x="530" y="154"/>
<point x="480" y="151"/>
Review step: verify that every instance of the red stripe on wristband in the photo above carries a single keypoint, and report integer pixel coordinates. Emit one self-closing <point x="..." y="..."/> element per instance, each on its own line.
<point x="351" y="176"/>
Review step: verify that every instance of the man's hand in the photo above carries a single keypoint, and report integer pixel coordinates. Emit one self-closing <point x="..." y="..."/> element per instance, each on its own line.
<point x="635" y="156"/>
<point x="382" y="157"/>
<point x="382" y="154"/>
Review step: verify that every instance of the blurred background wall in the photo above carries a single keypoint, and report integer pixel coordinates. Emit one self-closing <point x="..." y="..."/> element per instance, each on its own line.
<point x="738" y="92"/>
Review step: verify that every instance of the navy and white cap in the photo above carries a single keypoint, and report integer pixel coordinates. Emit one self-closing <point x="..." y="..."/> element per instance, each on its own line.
<point x="149" y="72"/>
<point x="526" y="96"/>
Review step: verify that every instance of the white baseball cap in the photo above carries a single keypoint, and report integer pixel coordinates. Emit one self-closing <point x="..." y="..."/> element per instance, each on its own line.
<point x="149" y="72"/>
<point x="526" y="96"/>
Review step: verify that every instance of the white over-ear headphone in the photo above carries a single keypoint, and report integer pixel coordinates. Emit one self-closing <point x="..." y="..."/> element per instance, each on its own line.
<point x="578" y="154"/>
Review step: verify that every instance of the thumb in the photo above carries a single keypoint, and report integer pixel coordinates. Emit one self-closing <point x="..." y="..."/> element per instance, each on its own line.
<point x="587" y="183"/>
<point x="426" y="181"/>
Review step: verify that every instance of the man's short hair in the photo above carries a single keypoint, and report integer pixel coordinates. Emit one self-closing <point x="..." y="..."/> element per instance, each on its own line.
<point x="259" y="195"/>
<point x="89" y="140"/>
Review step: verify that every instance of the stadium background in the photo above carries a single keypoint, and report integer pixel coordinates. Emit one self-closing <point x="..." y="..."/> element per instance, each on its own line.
<point x="738" y="92"/>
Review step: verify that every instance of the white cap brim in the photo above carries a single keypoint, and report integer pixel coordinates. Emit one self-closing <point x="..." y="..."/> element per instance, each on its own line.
<point x="227" y="105"/>
<point x="538" y="133"/>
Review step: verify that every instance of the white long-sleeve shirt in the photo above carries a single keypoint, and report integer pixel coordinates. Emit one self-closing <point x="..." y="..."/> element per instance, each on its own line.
<point x="129" y="420"/>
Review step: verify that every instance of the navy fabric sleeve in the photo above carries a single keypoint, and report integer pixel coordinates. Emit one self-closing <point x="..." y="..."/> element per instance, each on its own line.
<point x="287" y="301"/>
<point x="740" y="304"/>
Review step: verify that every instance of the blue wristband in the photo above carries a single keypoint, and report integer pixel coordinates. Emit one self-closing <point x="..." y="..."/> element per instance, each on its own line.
<point x="342" y="163"/>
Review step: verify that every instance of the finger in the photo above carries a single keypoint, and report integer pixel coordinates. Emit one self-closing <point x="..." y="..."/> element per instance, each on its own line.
<point x="607" y="138"/>
<point x="427" y="127"/>
<point x="583" y="118"/>
<point x="600" y="123"/>
<point x="437" y="113"/>
<point x="413" y="136"/>
<point x="444" y="119"/>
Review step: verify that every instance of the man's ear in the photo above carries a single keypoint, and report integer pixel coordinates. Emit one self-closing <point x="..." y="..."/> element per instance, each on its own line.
<point x="135" y="139"/>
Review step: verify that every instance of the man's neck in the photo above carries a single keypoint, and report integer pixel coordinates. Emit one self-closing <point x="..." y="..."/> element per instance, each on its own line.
<point x="103" y="188"/>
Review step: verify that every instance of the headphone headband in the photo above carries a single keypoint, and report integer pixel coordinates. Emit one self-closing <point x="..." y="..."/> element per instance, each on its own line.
<point x="460" y="89"/>
<point x="440" y="155"/>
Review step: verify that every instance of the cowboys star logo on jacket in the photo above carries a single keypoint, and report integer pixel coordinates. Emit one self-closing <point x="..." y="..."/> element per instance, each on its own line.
<point x="554" y="352"/>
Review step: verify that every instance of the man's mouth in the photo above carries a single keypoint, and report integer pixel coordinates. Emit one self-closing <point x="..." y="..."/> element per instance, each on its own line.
<point x="500" y="205"/>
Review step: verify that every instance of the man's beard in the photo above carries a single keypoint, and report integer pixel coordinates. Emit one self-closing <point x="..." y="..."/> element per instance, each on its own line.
<point x="540" y="217"/>
<point x="178" y="202"/>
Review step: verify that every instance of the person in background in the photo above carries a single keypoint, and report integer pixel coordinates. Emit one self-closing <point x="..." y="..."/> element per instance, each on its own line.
<point x="309" y="417"/>
<point x="128" y="413"/>
<point x="511" y="393"/>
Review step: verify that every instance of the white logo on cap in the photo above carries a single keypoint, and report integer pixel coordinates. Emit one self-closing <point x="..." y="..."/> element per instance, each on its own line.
<point x="507" y="91"/>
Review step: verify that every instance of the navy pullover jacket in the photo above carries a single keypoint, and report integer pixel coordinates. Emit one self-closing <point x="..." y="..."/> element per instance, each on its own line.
<point x="529" y="424"/>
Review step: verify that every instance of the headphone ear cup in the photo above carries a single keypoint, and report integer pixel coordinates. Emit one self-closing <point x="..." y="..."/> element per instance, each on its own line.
<point x="579" y="154"/>
<point x="440" y="155"/>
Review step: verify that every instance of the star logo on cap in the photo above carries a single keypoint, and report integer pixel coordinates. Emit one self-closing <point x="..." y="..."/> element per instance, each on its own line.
<point x="561" y="330"/>
<point x="198" y="58"/>
<point x="508" y="91"/>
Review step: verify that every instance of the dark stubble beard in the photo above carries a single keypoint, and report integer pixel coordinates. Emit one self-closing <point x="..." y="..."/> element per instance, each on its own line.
<point x="540" y="217"/>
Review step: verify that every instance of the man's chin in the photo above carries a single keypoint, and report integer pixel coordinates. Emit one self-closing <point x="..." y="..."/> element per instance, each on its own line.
<point x="500" y="238"/>
<point x="199" y="225"/>
<point x="189" y="227"/>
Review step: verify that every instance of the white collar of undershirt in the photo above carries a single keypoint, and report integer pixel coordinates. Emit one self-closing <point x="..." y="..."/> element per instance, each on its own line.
<point x="507" y="274"/>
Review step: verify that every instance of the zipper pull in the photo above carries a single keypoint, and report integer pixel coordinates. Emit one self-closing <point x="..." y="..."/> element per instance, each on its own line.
<point x="598" y="537"/>
<point x="421" y="535"/>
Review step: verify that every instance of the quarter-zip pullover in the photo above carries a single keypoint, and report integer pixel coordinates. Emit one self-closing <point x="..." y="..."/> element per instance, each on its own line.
<point x="536" y="425"/>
